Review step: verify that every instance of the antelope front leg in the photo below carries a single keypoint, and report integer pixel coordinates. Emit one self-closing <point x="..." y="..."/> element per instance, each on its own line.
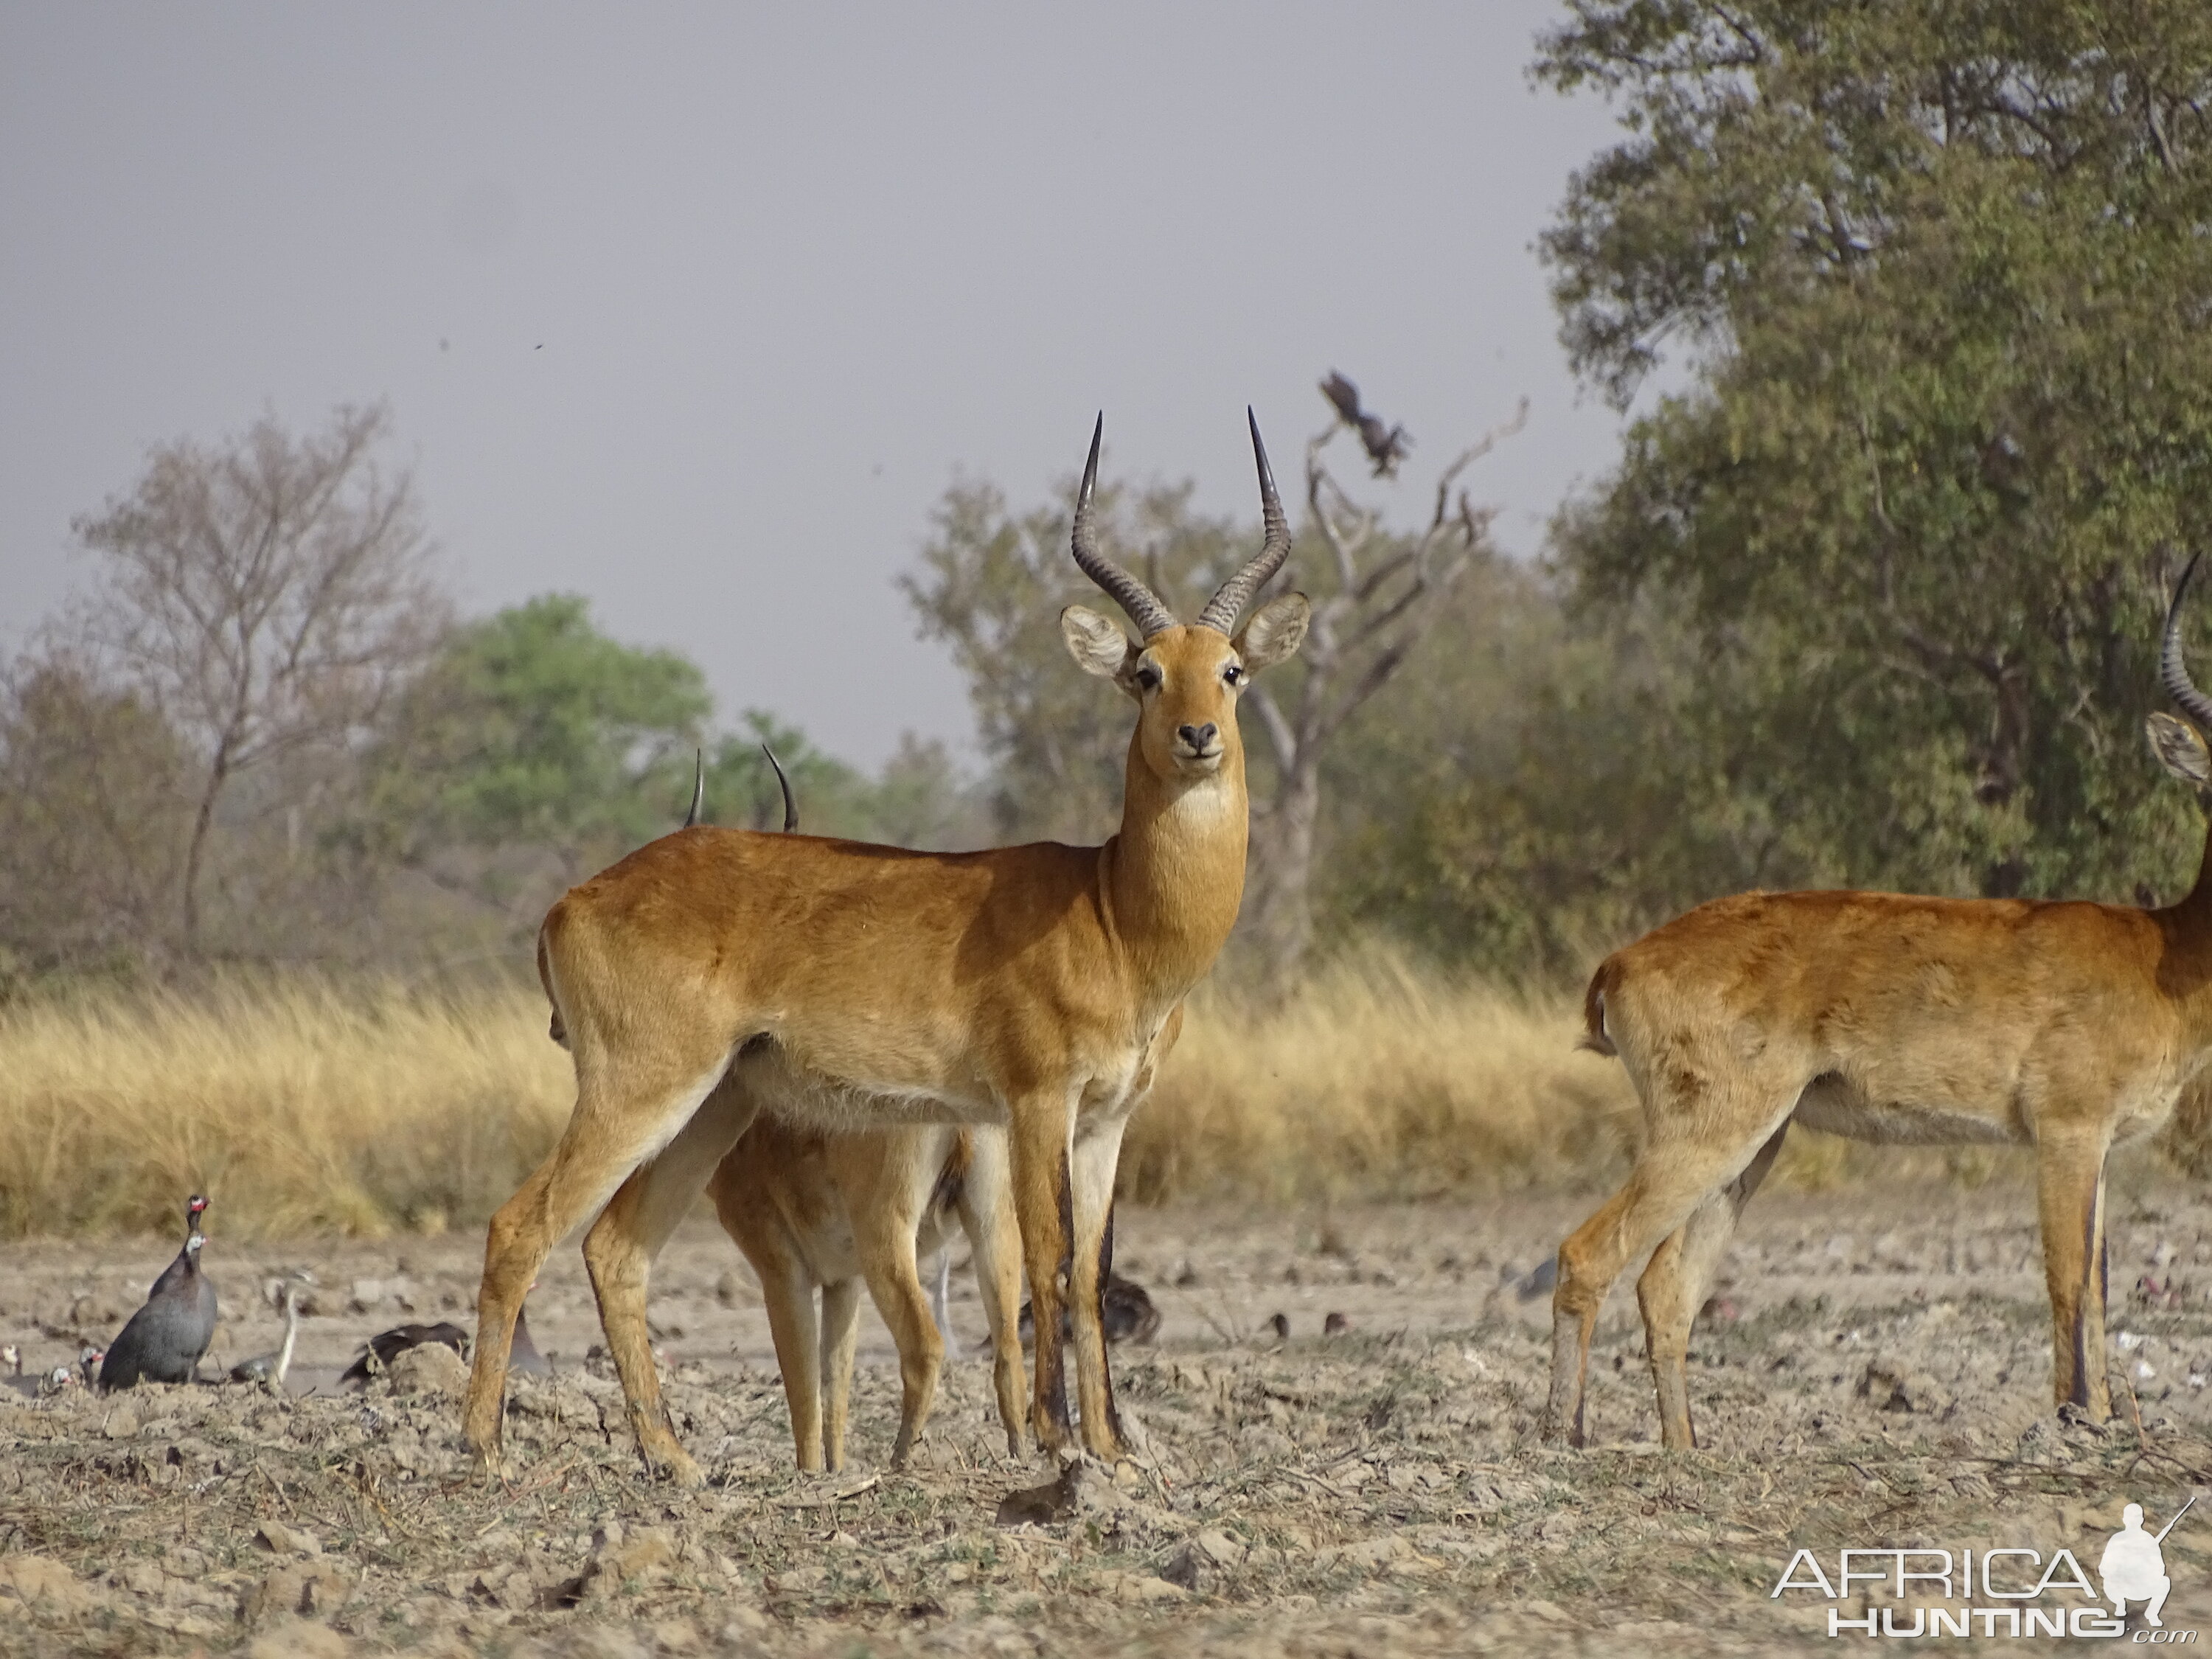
<point x="619" y="1252"/>
<point x="1096" y="1159"/>
<point x="1038" y="1142"/>
<point x="2070" y="1201"/>
<point x="987" y="1212"/>
<point x="840" y="1335"/>
<point x="787" y="1289"/>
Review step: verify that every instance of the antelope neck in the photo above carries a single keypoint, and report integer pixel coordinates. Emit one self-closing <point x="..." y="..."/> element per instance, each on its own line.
<point x="1174" y="875"/>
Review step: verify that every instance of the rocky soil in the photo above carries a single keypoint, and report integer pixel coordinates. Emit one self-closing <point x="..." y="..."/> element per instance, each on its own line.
<point x="1874" y="1372"/>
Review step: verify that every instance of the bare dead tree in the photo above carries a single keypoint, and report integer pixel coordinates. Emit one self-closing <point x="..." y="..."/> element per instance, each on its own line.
<point x="267" y="594"/>
<point x="1375" y="597"/>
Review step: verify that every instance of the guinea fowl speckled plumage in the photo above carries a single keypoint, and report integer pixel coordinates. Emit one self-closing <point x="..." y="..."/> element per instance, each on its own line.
<point x="164" y="1340"/>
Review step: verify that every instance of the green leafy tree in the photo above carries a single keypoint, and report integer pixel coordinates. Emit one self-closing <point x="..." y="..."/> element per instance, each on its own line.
<point x="533" y="730"/>
<point x="1939" y="274"/>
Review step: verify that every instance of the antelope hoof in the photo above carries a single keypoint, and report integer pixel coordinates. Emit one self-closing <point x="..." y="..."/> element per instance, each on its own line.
<point x="676" y="1466"/>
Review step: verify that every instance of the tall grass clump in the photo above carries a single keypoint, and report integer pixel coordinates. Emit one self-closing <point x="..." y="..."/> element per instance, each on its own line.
<point x="1377" y="1077"/>
<point x="298" y="1106"/>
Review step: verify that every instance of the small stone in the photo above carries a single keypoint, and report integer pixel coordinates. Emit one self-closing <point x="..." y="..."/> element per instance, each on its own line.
<point x="281" y="1539"/>
<point x="122" y="1423"/>
<point x="1888" y="1386"/>
<point x="1186" y="1566"/>
<point x="299" y="1638"/>
<point x="302" y="1588"/>
<point x="431" y="1368"/>
<point x="1143" y="1588"/>
<point x="1056" y="1500"/>
<point x="34" y="1579"/>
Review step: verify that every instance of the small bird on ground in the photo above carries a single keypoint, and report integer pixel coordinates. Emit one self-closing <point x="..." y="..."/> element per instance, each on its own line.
<point x="269" y="1367"/>
<point x="387" y="1346"/>
<point x="1539" y="1281"/>
<point x="1128" y="1315"/>
<point x="164" y="1339"/>
<point x="1386" y="446"/>
<point x="376" y="1356"/>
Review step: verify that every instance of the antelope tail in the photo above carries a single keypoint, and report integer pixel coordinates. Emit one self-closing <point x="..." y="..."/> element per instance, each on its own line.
<point x="1595" y="1036"/>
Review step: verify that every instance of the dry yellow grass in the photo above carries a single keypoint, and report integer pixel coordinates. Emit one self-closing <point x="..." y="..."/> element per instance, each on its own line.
<point x="301" y="1106"/>
<point x="297" y="1107"/>
<point x="1379" y="1078"/>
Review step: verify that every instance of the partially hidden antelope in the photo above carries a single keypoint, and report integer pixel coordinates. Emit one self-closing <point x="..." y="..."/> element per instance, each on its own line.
<point x="821" y="1211"/>
<point x="715" y="973"/>
<point x="2069" y="1027"/>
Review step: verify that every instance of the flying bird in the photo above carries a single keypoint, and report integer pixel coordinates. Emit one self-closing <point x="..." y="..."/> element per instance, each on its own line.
<point x="1386" y="446"/>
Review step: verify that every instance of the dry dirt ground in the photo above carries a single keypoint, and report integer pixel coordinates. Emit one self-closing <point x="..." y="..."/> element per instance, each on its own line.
<point x="1874" y="1373"/>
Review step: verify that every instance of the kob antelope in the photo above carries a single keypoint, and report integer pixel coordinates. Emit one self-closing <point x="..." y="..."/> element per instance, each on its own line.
<point x="2064" y="1026"/>
<point x="814" y="1211"/>
<point x="715" y="973"/>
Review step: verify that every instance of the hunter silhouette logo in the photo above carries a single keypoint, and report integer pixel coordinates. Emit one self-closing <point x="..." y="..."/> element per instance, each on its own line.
<point x="2133" y="1566"/>
<point x="2010" y="1590"/>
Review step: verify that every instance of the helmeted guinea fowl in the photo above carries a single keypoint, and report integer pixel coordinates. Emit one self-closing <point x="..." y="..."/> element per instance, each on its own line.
<point x="164" y="1340"/>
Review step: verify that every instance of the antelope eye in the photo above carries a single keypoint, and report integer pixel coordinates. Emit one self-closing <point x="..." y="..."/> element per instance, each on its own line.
<point x="1148" y="677"/>
<point x="1233" y="673"/>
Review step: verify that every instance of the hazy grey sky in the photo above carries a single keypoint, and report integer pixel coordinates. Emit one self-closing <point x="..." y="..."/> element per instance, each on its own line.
<point x="696" y="311"/>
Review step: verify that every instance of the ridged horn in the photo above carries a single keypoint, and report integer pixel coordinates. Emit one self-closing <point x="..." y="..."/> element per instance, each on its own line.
<point x="1132" y="596"/>
<point x="2171" y="674"/>
<point x="698" y="789"/>
<point x="790" y="808"/>
<point x="1229" y="601"/>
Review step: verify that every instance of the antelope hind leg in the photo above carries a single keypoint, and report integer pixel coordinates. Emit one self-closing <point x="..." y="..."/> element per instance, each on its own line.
<point x="1679" y="1169"/>
<point x="602" y="1144"/>
<point x="619" y="1252"/>
<point x="1673" y="1288"/>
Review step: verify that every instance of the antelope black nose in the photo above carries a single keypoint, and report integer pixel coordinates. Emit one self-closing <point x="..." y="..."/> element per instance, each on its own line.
<point x="1199" y="738"/>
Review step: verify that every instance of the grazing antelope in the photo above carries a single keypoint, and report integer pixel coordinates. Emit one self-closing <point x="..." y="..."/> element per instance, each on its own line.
<point x="817" y="1210"/>
<point x="717" y="972"/>
<point x="2066" y="1026"/>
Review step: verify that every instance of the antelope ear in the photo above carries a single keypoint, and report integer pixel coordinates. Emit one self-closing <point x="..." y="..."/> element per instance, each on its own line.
<point x="1274" y="631"/>
<point x="1098" y="645"/>
<point x="2180" y="751"/>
